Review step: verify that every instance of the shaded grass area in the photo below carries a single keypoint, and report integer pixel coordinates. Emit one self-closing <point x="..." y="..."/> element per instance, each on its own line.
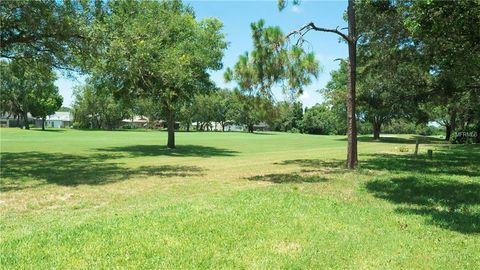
<point x="71" y="170"/>
<point x="180" y="151"/>
<point x="288" y="178"/>
<point x="447" y="203"/>
<point x="400" y="140"/>
<point x="19" y="168"/>
<point x="444" y="189"/>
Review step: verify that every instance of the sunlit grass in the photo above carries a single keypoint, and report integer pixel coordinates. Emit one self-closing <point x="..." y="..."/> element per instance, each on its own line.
<point x="99" y="199"/>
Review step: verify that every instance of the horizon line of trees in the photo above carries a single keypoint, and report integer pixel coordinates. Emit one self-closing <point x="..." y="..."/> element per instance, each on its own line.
<point x="224" y="107"/>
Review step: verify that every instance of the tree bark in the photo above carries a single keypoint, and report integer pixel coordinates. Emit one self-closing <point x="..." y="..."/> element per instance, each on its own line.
<point x="352" y="157"/>
<point x="43" y="123"/>
<point x="448" y="132"/>
<point x="25" y="121"/>
<point x="450" y="128"/>
<point x="171" y="129"/>
<point x="376" y="130"/>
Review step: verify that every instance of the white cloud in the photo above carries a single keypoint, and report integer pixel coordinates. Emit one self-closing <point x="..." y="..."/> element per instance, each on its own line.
<point x="296" y="9"/>
<point x="304" y="96"/>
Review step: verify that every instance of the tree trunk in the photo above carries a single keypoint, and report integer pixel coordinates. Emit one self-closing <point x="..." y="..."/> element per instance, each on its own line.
<point x="43" y="123"/>
<point x="448" y="132"/>
<point x="223" y="126"/>
<point x="171" y="129"/>
<point x="352" y="158"/>
<point x="188" y="126"/>
<point x="25" y="121"/>
<point x="376" y="130"/>
<point x="250" y="128"/>
<point x="450" y="128"/>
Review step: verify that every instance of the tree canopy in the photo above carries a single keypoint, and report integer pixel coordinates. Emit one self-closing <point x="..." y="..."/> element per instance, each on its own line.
<point x="159" y="51"/>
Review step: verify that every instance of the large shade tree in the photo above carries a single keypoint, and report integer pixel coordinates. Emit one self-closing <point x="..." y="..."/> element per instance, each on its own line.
<point x="157" y="50"/>
<point x="448" y="33"/>
<point x="392" y="80"/>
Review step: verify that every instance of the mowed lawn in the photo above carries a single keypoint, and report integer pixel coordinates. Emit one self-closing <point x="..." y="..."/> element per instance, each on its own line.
<point x="119" y="199"/>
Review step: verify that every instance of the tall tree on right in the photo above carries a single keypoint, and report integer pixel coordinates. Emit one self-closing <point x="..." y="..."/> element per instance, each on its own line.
<point x="351" y="40"/>
<point x="448" y="36"/>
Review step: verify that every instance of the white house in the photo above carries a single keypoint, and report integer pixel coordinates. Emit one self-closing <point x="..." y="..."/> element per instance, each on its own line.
<point x="57" y="120"/>
<point x="216" y="126"/>
<point x="137" y="121"/>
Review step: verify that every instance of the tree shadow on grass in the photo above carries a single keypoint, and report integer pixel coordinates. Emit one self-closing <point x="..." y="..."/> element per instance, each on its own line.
<point x="30" y="169"/>
<point x="50" y="130"/>
<point x="449" y="204"/>
<point x="282" y="178"/>
<point x="317" y="165"/>
<point x="180" y="151"/>
<point x="430" y="188"/>
<point x="398" y="140"/>
<point x="460" y="160"/>
<point x="262" y="133"/>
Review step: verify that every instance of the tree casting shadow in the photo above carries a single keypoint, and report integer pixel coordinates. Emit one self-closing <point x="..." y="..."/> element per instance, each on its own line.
<point x="448" y="204"/>
<point x="180" y="151"/>
<point x="18" y="169"/>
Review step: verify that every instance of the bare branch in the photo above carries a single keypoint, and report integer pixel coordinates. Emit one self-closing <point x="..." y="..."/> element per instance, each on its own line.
<point x="311" y="26"/>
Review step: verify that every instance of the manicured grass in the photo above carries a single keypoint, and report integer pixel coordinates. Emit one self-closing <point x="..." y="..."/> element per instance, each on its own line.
<point x="106" y="199"/>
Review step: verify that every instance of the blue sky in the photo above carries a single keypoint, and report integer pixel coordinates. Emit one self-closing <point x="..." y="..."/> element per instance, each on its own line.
<point x="237" y="16"/>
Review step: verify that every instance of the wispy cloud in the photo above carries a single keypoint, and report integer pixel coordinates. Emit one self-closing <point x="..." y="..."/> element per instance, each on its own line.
<point x="304" y="96"/>
<point x="296" y="9"/>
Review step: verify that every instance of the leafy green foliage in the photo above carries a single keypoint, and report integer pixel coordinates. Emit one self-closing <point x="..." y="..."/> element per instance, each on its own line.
<point x="271" y="63"/>
<point x="53" y="32"/>
<point x="319" y="119"/>
<point x="288" y="116"/>
<point x="157" y="50"/>
<point x="249" y="110"/>
<point x="27" y="86"/>
<point x="46" y="102"/>
<point x="98" y="109"/>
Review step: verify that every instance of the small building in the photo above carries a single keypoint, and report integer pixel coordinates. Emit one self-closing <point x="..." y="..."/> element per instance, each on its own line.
<point x="216" y="126"/>
<point x="261" y="127"/>
<point x="136" y="121"/>
<point x="56" y="120"/>
<point x="234" y="127"/>
<point x="10" y="120"/>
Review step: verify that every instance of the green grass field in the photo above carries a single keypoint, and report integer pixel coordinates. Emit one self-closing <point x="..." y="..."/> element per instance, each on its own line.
<point x="119" y="199"/>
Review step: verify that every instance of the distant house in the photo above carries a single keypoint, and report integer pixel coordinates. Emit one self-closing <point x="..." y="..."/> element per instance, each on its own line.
<point x="261" y="127"/>
<point x="216" y="126"/>
<point x="137" y="121"/>
<point x="10" y="120"/>
<point x="57" y="120"/>
<point x="234" y="127"/>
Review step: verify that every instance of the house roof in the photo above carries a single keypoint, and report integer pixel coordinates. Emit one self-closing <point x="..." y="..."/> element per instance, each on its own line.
<point x="136" y="119"/>
<point x="60" y="116"/>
